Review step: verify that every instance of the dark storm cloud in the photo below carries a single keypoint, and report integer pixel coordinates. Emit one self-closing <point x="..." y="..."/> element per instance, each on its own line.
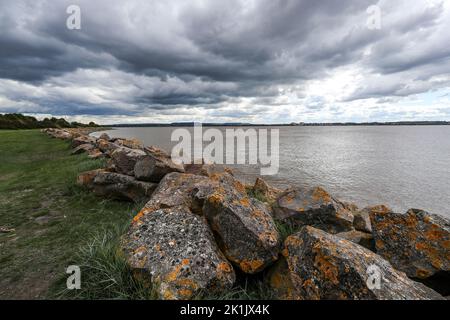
<point x="165" y="54"/>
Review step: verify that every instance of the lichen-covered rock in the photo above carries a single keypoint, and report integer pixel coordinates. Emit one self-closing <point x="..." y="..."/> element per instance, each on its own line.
<point x="95" y="154"/>
<point x="244" y="227"/>
<point x="129" y="143"/>
<point x="78" y="141"/>
<point x="86" y="179"/>
<point x="314" y="207"/>
<point x="59" y="134"/>
<point x="417" y="242"/>
<point x="178" y="190"/>
<point x="124" y="159"/>
<point x="321" y="266"/>
<point x="176" y="249"/>
<point x="155" y="165"/>
<point x="116" y="186"/>
<point x="83" y="148"/>
<point x="361" y="221"/>
<point x="262" y="190"/>
<point x="362" y="238"/>
<point x="106" y="147"/>
<point x="207" y="170"/>
<point x="104" y="136"/>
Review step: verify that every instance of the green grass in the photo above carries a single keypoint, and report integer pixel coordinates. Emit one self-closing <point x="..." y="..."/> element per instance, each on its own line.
<point x="37" y="179"/>
<point x="256" y="195"/>
<point x="105" y="273"/>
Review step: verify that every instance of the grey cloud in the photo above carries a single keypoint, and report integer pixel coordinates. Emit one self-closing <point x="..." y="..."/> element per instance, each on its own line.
<point x="167" y="55"/>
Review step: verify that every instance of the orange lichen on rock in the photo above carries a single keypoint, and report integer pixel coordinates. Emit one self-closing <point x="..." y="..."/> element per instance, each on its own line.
<point x="326" y="266"/>
<point x="319" y="194"/>
<point x="251" y="266"/>
<point x="245" y="202"/>
<point x="224" y="267"/>
<point x="139" y="216"/>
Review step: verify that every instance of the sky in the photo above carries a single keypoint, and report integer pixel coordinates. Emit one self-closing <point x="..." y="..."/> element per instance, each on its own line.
<point x="257" y="61"/>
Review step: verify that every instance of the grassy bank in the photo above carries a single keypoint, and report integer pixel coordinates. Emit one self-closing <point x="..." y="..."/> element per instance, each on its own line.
<point x="48" y="217"/>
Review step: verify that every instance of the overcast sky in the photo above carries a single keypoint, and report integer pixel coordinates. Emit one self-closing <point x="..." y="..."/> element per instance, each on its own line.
<point x="273" y="61"/>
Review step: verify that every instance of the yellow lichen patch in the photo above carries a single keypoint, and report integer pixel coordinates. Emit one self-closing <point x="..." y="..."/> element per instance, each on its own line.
<point x="140" y="250"/>
<point x="411" y="222"/>
<point x="223" y="267"/>
<point x="435" y="234"/>
<point x="431" y="252"/>
<point x="293" y="241"/>
<point x="446" y="244"/>
<point x="239" y="186"/>
<point x="185" y="293"/>
<point x="216" y="199"/>
<point x="168" y="295"/>
<point x="319" y="194"/>
<point x="139" y="216"/>
<point x="245" y="202"/>
<point x="313" y="291"/>
<point x="325" y="265"/>
<point x="251" y="266"/>
<point x="185" y="262"/>
<point x="172" y="275"/>
<point x="379" y="244"/>
<point x="421" y="273"/>
<point x="268" y="237"/>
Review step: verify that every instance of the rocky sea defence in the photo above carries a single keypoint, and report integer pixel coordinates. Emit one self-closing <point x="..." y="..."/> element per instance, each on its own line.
<point x="201" y="228"/>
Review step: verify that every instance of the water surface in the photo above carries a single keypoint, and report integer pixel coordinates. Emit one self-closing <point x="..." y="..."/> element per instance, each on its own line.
<point x="401" y="166"/>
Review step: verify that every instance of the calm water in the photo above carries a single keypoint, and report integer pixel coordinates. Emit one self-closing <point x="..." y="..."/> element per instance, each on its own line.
<point x="402" y="166"/>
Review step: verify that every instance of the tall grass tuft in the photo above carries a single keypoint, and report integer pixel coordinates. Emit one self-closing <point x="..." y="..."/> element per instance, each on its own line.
<point x="105" y="273"/>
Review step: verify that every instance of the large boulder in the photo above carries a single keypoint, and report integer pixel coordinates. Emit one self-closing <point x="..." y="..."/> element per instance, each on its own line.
<point x="178" y="190"/>
<point x="96" y="154"/>
<point x="60" y="134"/>
<point x="321" y="266"/>
<point x="155" y="166"/>
<point x="124" y="159"/>
<point x="129" y="143"/>
<point x="362" y="238"/>
<point x="106" y="147"/>
<point x="83" y="148"/>
<point x="314" y="207"/>
<point x="176" y="250"/>
<point x="78" y="141"/>
<point x="116" y="186"/>
<point x="243" y="226"/>
<point x="207" y="170"/>
<point x="417" y="242"/>
<point x="104" y="136"/>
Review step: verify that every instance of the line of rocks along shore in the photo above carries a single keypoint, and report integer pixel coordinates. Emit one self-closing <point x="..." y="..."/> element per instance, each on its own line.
<point x="201" y="227"/>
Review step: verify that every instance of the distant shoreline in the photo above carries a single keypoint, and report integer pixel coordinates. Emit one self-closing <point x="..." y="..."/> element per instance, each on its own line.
<point x="335" y="124"/>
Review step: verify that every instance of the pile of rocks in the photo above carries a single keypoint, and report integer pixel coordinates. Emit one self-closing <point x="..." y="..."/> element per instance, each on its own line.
<point x="202" y="226"/>
<point x="132" y="172"/>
